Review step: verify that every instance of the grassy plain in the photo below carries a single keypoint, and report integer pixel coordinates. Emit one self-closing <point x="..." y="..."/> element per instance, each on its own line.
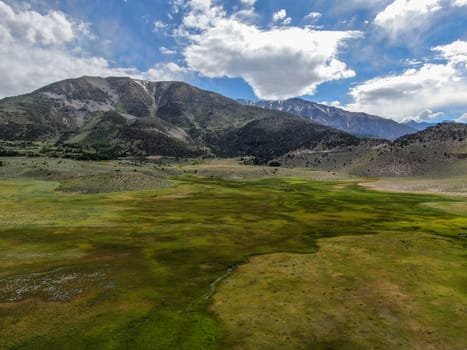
<point x="384" y="291"/>
<point x="132" y="269"/>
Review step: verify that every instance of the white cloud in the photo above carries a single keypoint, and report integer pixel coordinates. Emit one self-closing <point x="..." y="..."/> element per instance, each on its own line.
<point x="277" y="63"/>
<point x="410" y="95"/>
<point x="34" y="28"/>
<point x="455" y="52"/>
<point x="202" y="14"/>
<point x="279" y="15"/>
<point x="248" y="2"/>
<point x="462" y="118"/>
<point x="25" y="68"/>
<point x="287" y="21"/>
<point x="166" y="51"/>
<point x="165" y="72"/>
<point x="177" y="5"/>
<point x="336" y="103"/>
<point x="84" y="28"/>
<point x="159" y="25"/>
<point x="38" y="49"/>
<point x="427" y="115"/>
<point x="314" y="16"/>
<point x="402" y="19"/>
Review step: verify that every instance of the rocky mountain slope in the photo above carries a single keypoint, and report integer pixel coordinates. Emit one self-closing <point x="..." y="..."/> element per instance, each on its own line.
<point x="128" y="116"/>
<point x="440" y="150"/>
<point x="358" y="124"/>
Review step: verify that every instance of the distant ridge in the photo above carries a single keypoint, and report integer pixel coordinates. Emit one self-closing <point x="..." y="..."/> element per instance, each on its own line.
<point x="419" y="125"/>
<point x="358" y="124"/>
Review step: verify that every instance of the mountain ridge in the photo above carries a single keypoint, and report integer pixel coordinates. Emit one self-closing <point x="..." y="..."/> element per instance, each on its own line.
<point x="440" y="150"/>
<point x="356" y="123"/>
<point x="142" y="117"/>
<point x="106" y="118"/>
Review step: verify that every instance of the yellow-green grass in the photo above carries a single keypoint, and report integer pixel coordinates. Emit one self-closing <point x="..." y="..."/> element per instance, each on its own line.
<point x="132" y="270"/>
<point x="384" y="291"/>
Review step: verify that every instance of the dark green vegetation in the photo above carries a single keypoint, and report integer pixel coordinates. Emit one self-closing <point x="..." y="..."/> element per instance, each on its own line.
<point x="131" y="270"/>
<point x="95" y="118"/>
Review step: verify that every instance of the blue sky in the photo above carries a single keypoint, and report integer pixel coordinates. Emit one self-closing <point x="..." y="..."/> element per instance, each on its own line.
<point x="401" y="59"/>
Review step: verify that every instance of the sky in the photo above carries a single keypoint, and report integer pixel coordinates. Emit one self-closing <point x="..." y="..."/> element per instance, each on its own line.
<point x="399" y="59"/>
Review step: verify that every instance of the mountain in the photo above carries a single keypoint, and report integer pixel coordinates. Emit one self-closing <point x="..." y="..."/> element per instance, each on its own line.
<point x="358" y="124"/>
<point x="101" y="118"/>
<point x="127" y="116"/>
<point x="440" y="150"/>
<point x="437" y="150"/>
<point x="419" y="126"/>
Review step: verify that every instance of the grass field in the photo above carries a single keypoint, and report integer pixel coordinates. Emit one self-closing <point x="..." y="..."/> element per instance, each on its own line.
<point x="132" y="270"/>
<point x="385" y="291"/>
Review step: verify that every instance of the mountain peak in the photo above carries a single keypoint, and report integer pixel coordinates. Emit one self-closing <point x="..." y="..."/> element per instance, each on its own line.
<point x="145" y="117"/>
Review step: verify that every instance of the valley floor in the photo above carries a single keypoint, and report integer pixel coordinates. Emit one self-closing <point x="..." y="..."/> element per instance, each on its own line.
<point x="455" y="185"/>
<point x="122" y="255"/>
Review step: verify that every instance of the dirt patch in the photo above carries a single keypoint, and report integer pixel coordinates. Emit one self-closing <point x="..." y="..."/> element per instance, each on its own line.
<point x="446" y="186"/>
<point x="55" y="285"/>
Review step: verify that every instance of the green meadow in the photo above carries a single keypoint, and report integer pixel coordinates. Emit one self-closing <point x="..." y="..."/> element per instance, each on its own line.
<point x="133" y="269"/>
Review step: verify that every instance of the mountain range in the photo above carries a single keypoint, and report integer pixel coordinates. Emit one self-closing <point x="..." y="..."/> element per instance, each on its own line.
<point x="358" y="124"/>
<point x="103" y="118"/>
<point x="156" y="118"/>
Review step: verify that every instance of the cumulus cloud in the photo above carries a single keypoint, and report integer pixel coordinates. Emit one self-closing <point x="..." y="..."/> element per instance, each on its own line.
<point x="402" y="19"/>
<point x="415" y="93"/>
<point x="455" y="52"/>
<point x="202" y="14"/>
<point x="248" y="2"/>
<point x="159" y="25"/>
<point x="164" y="72"/>
<point x="287" y="21"/>
<point x="37" y="49"/>
<point x="313" y="16"/>
<point x="335" y="103"/>
<point x="428" y="115"/>
<point x="34" y="28"/>
<point x="277" y="63"/>
<point x="279" y="15"/>
<point x="166" y="51"/>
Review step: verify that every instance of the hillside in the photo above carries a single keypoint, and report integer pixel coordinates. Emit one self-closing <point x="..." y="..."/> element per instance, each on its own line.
<point x="358" y="124"/>
<point x="127" y="116"/>
<point x="440" y="150"/>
